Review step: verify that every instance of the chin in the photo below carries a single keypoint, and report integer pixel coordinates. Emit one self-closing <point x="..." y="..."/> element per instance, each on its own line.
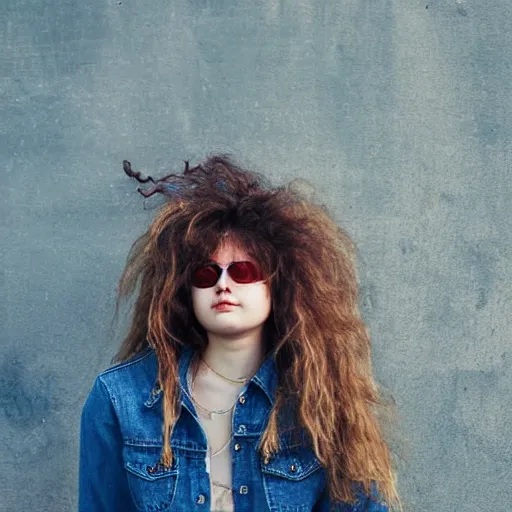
<point x="228" y="330"/>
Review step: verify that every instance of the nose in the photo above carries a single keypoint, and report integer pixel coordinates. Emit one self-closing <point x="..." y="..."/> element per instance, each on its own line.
<point x="222" y="283"/>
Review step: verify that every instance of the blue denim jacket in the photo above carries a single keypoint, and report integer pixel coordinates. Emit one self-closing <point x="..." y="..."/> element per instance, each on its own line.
<point x="121" y="442"/>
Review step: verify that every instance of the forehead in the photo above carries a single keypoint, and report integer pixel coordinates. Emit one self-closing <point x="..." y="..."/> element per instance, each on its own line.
<point x="229" y="252"/>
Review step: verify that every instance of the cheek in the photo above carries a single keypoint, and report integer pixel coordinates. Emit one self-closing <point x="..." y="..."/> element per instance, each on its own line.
<point x="259" y="300"/>
<point x="200" y="300"/>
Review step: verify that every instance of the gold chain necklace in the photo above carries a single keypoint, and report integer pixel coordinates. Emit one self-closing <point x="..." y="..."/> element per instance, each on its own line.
<point x="234" y="381"/>
<point x="209" y="412"/>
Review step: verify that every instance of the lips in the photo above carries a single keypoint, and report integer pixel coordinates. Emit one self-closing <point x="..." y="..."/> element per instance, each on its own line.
<point x="226" y="302"/>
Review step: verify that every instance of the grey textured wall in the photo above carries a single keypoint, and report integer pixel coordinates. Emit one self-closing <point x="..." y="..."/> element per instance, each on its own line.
<point x="398" y="111"/>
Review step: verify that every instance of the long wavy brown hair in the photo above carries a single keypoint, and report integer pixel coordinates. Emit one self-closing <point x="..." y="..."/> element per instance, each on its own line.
<point x="315" y="332"/>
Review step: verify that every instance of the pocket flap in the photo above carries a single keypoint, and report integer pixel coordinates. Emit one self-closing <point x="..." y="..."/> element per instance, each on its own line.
<point x="150" y="472"/>
<point x="143" y="461"/>
<point x="292" y="466"/>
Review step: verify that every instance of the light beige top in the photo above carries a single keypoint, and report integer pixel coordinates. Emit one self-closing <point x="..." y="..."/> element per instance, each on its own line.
<point x="220" y="463"/>
<point x="209" y="393"/>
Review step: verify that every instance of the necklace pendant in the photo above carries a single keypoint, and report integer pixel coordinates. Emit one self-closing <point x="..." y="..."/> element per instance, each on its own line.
<point x="212" y="416"/>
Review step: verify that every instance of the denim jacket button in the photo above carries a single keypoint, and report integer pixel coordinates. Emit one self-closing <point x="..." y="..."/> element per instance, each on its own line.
<point x="201" y="500"/>
<point x="244" y="489"/>
<point x="237" y="447"/>
<point x="242" y="399"/>
<point x="293" y="468"/>
<point x="242" y="429"/>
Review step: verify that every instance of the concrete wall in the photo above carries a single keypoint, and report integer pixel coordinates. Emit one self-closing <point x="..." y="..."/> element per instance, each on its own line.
<point x="399" y="113"/>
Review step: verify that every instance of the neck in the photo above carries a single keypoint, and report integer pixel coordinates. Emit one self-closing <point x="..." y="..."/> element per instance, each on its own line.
<point x="234" y="359"/>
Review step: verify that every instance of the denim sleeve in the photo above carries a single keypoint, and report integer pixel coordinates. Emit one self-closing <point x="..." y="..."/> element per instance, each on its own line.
<point x="364" y="503"/>
<point x="102" y="482"/>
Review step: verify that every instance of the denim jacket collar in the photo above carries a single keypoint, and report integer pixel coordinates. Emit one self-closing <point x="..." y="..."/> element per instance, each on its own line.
<point x="265" y="378"/>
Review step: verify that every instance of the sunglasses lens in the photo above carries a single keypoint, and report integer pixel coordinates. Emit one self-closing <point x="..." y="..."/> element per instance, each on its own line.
<point x="244" y="272"/>
<point x="205" y="277"/>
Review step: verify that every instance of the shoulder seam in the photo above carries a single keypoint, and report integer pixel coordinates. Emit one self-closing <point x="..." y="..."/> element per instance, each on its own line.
<point x="103" y="384"/>
<point x="119" y="366"/>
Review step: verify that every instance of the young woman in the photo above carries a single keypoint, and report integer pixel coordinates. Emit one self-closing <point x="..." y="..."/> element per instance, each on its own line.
<point x="244" y="383"/>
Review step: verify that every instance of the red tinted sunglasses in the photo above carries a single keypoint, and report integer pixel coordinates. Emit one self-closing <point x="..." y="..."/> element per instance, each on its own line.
<point x="243" y="272"/>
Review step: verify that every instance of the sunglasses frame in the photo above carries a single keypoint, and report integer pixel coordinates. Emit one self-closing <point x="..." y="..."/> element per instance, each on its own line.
<point x="225" y="268"/>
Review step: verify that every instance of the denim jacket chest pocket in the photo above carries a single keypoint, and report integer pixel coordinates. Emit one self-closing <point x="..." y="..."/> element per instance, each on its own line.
<point x="152" y="485"/>
<point x="293" y="480"/>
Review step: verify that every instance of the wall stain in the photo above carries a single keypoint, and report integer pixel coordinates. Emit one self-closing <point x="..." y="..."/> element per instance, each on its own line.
<point x="481" y="264"/>
<point x="408" y="246"/>
<point x="368" y="300"/>
<point x="30" y="412"/>
<point x="480" y="399"/>
<point x="24" y="399"/>
<point x="482" y="299"/>
<point x="461" y="7"/>
<point x="448" y="198"/>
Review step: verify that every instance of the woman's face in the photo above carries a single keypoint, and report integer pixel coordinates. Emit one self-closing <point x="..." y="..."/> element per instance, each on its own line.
<point x="253" y="300"/>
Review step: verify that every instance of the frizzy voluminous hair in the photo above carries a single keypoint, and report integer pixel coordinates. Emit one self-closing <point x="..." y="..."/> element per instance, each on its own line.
<point x="320" y="343"/>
